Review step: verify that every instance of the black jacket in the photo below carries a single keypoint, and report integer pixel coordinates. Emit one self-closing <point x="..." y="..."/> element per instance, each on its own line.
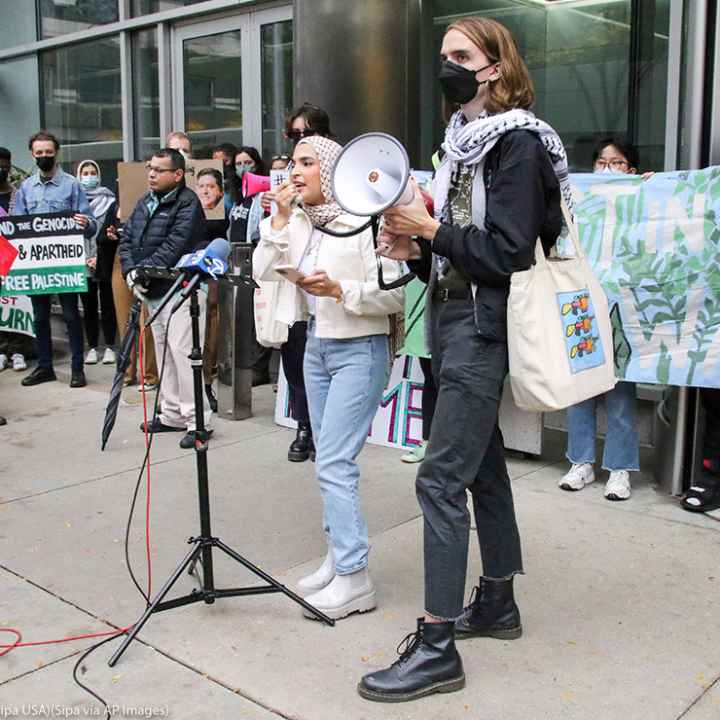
<point x="106" y="248"/>
<point x="177" y="227"/>
<point x="522" y="204"/>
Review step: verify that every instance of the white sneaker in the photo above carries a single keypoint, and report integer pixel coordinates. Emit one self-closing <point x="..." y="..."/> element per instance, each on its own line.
<point x="108" y="357"/>
<point x="346" y="594"/>
<point x="577" y="477"/>
<point x="18" y="362"/>
<point x="91" y="358"/>
<point x="321" y="578"/>
<point x="618" y="485"/>
<point x="416" y="455"/>
<point x="3" y="361"/>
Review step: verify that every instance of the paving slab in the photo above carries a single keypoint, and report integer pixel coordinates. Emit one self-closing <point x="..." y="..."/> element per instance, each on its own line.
<point x="52" y="438"/>
<point x="152" y="687"/>
<point x="262" y="506"/>
<point x="616" y="619"/>
<point x="646" y="499"/>
<point x="38" y="615"/>
<point x="708" y="705"/>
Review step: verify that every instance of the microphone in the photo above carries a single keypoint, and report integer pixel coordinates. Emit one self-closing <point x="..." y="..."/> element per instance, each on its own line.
<point x="210" y="262"/>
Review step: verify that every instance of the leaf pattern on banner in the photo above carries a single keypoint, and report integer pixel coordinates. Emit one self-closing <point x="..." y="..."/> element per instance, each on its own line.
<point x="621" y="347"/>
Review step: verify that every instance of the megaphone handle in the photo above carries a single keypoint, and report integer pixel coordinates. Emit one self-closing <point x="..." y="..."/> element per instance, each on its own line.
<point x="404" y="280"/>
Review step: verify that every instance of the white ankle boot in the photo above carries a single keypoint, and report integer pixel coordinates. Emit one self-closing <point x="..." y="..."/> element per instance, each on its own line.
<point x="320" y="578"/>
<point x="346" y="594"/>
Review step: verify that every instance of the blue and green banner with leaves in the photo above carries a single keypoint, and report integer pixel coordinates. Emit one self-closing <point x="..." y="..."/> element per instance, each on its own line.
<point x="655" y="247"/>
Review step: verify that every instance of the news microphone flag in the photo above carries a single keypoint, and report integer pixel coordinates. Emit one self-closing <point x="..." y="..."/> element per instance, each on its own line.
<point x="211" y="261"/>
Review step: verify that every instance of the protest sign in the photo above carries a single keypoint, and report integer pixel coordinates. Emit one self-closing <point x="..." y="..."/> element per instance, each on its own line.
<point x="51" y="254"/>
<point x="16" y="315"/>
<point x="655" y="247"/>
<point x="133" y="184"/>
<point x="398" y="421"/>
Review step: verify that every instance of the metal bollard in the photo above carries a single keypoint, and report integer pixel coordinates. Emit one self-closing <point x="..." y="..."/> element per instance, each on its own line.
<point x="237" y="348"/>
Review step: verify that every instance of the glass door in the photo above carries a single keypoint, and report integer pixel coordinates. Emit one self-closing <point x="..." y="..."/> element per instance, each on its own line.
<point x="233" y="80"/>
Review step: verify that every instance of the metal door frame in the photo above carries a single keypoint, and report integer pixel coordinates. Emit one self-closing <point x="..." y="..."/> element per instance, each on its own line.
<point x="249" y="24"/>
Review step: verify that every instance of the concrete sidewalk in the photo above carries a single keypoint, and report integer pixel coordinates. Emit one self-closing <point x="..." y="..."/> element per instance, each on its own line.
<point x="619" y="604"/>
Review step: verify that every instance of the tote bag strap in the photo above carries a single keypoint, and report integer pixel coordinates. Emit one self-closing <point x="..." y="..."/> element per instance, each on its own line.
<point x="572" y="227"/>
<point x="540" y="258"/>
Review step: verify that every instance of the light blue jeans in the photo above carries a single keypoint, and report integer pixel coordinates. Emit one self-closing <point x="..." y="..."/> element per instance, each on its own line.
<point x="344" y="381"/>
<point x="621" y="442"/>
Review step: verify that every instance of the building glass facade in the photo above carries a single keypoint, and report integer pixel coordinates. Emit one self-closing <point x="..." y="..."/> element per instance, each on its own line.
<point x="112" y="77"/>
<point x="596" y="67"/>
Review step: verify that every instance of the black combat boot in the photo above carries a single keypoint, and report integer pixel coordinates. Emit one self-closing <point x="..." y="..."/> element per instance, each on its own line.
<point x="492" y="612"/>
<point x="302" y="446"/>
<point x="428" y="663"/>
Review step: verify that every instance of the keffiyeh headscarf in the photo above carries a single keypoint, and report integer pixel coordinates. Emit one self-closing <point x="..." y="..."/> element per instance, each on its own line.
<point x="470" y="142"/>
<point x="327" y="151"/>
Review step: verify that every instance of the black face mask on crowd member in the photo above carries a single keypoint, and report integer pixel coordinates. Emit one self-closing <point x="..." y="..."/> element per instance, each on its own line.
<point x="45" y="162"/>
<point x="458" y="83"/>
<point x="3" y="175"/>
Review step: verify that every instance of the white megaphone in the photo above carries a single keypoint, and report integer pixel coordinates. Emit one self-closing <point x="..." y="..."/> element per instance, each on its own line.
<point x="370" y="175"/>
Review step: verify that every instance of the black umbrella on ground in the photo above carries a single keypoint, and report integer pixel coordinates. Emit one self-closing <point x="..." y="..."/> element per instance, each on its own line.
<point x="123" y="360"/>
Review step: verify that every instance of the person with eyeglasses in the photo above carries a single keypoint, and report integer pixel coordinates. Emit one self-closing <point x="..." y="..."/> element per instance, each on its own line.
<point x="621" y="454"/>
<point x="167" y="222"/>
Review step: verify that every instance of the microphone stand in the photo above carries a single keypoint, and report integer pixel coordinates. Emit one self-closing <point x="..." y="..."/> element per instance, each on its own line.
<point x="204" y="543"/>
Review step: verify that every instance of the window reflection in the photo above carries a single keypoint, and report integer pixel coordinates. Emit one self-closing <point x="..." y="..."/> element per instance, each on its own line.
<point x="213" y="90"/>
<point x="579" y="54"/>
<point x="277" y="84"/>
<point x="60" y="17"/>
<point x="145" y="7"/>
<point x="146" y="93"/>
<point x="81" y="102"/>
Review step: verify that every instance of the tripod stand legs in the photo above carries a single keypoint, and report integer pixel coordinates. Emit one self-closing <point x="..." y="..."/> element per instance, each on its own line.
<point x="205" y="543"/>
<point x="274" y="583"/>
<point x="189" y="558"/>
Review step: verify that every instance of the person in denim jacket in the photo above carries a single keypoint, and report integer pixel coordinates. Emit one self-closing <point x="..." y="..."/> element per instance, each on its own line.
<point x="52" y="190"/>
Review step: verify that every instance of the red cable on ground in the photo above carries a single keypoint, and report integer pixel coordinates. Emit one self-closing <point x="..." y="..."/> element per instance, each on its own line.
<point x="19" y="644"/>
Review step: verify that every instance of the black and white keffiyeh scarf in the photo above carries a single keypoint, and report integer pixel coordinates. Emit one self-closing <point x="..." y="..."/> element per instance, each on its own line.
<point x="468" y="143"/>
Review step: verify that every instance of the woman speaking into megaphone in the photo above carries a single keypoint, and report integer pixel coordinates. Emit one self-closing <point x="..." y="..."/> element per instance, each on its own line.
<point x="332" y="283"/>
<point x="497" y="190"/>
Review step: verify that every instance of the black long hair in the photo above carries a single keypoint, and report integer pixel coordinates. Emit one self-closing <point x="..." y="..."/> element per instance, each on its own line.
<point x="260" y="167"/>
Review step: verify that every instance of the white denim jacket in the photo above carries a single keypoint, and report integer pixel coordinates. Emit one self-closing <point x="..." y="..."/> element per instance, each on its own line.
<point x="364" y="308"/>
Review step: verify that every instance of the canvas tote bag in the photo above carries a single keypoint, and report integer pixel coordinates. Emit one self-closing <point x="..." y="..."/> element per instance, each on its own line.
<point x="559" y="333"/>
<point x="268" y="331"/>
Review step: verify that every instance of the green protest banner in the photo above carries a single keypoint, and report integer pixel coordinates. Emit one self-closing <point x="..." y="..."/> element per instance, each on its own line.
<point x="655" y="247"/>
<point x="51" y="254"/>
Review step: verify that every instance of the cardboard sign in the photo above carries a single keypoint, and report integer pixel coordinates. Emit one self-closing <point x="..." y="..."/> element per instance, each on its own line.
<point x="133" y="184"/>
<point x="51" y="254"/>
<point x="16" y="315"/>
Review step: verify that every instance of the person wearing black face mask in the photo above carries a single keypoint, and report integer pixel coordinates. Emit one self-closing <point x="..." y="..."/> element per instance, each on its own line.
<point x="496" y="192"/>
<point x="53" y="190"/>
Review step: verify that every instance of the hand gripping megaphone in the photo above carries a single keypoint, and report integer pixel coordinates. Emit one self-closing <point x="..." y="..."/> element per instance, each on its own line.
<point x="253" y="184"/>
<point x="370" y="175"/>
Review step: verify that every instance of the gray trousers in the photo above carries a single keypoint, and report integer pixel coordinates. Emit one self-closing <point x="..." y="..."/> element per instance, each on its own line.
<point x="465" y="452"/>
